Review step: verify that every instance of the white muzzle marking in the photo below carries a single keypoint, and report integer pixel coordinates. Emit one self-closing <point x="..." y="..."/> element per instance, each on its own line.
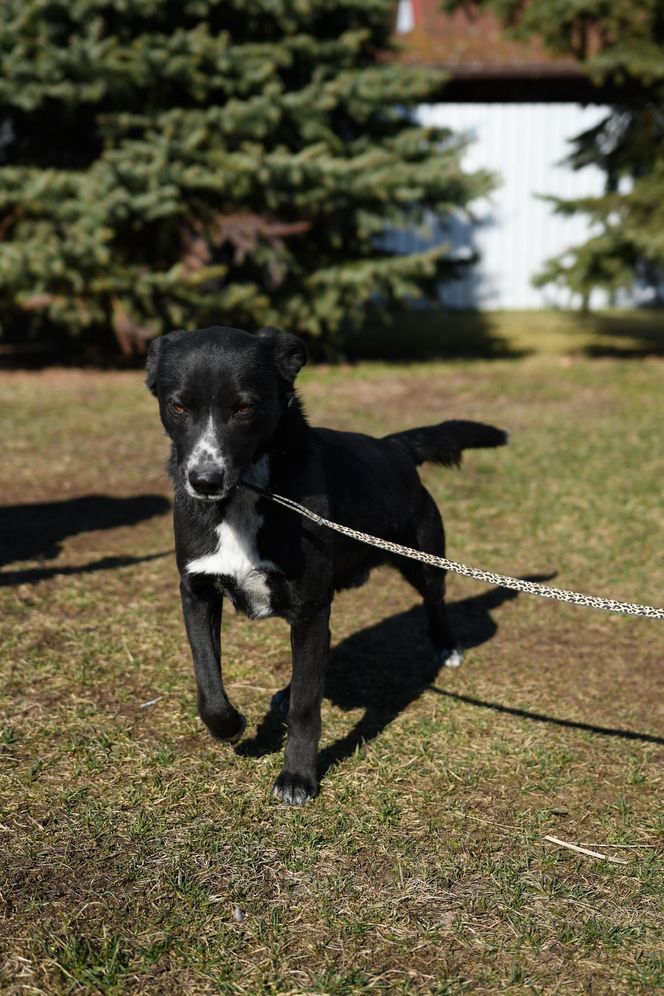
<point x="205" y="451"/>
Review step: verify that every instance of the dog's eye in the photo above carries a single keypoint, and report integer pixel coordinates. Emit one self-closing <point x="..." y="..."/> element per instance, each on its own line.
<point x="246" y="408"/>
<point x="178" y="408"/>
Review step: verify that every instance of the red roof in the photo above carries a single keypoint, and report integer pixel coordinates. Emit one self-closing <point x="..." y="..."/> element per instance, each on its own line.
<point x="474" y="45"/>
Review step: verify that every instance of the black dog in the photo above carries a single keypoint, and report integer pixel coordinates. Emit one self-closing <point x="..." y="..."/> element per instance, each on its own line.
<point x="227" y="401"/>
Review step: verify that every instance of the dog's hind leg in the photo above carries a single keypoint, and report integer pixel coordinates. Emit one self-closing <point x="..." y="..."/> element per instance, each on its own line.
<point x="280" y="702"/>
<point x="429" y="582"/>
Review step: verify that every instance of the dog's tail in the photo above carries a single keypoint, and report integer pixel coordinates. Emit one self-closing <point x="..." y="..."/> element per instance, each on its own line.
<point x="444" y="443"/>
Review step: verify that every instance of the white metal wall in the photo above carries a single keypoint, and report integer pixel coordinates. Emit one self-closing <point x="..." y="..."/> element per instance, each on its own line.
<point x="515" y="232"/>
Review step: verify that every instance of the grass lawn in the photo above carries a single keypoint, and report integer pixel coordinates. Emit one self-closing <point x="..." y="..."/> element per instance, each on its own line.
<point x="137" y="855"/>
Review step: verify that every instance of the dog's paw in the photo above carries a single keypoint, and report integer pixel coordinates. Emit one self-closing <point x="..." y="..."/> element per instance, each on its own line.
<point x="294" y="790"/>
<point x="280" y="703"/>
<point x="228" y="726"/>
<point x="449" y="658"/>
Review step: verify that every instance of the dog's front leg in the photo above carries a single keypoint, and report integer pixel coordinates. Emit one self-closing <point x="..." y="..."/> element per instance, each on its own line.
<point x="310" y="643"/>
<point x="201" y="604"/>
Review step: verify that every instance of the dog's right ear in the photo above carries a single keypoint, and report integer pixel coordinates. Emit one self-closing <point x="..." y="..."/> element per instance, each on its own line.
<point x="152" y="364"/>
<point x="155" y="351"/>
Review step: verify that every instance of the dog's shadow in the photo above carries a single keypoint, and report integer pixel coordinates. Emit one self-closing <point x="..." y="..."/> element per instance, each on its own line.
<point x="382" y="669"/>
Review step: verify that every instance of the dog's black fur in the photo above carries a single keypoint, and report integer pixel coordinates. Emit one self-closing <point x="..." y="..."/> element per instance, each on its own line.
<point x="227" y="401"/>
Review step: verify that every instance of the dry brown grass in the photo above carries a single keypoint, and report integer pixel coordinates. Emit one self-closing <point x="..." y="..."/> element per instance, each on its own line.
<point x="129" y="839"/>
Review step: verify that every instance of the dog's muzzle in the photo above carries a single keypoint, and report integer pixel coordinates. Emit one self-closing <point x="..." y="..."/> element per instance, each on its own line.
<point x="208" y="481"/>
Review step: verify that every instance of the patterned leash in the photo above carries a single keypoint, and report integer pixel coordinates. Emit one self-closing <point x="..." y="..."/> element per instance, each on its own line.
<point x="501" y="580"/>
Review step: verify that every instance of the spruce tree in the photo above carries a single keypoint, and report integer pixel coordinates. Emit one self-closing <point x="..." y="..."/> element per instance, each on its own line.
<point x="621" y="44"/>
<point x="212" y="161"/>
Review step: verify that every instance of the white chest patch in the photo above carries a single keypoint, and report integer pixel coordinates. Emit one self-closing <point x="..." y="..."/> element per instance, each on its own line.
<point x="236" y="556"/>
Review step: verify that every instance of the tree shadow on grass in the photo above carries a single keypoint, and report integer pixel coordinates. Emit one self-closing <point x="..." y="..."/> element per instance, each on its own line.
<point x="640" y="333"/>
<point x="428" y="334"/>
<point x="37" y="531"/>
<point x="383" y="668"/>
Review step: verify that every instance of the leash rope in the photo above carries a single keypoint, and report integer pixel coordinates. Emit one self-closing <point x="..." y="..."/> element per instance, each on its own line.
<point x="501" y="580"/>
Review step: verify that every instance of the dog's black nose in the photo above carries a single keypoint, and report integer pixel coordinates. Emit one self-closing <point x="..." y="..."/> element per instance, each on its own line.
<point x="207" y="481"/>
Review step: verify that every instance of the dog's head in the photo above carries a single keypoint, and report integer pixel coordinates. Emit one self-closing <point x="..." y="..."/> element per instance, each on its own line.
<point x="222" y="394"/>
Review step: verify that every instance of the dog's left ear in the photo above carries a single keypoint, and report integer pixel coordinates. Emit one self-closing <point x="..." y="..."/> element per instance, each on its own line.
<point x="290" y="352"/>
